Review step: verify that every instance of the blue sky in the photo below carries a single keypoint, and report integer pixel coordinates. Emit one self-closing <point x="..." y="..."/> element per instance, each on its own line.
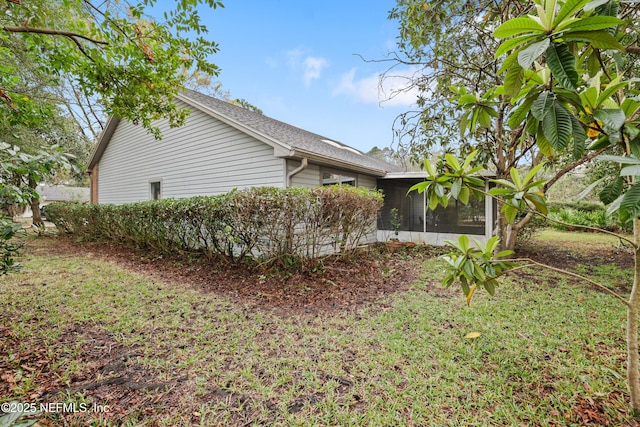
<point x="297" y="61"/>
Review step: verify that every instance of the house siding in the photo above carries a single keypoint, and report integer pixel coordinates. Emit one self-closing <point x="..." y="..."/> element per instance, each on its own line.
<point x="308" y="177"/>
<point x="367" y="181"/>
<point x="204" y="157"/>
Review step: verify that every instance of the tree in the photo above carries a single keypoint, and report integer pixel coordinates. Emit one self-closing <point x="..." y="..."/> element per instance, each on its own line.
<point x="111" y="50"/>
<point x="102" y="53"/>
<point x="564" y="67"/>
<point x="466" y="97"/>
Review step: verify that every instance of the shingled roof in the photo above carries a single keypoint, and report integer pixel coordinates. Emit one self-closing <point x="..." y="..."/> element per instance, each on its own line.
<point x="297" y="142"/>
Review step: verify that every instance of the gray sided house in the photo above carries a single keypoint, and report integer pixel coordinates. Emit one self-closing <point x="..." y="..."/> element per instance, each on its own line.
<point x="223" y="146"/>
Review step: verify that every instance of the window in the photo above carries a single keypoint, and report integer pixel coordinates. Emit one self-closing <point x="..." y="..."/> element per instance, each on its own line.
<point x="410" y="205"/>
<point x="156" y="190"/>
<point x="335" y="178"/>
<point x="458" y="218"/>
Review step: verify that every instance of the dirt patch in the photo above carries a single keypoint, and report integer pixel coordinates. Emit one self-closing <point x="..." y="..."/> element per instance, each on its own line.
<point x="338" y="284"/>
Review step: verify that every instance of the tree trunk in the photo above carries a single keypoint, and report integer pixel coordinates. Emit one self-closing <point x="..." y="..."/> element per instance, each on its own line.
<point x="35" y="204"/>
<point x="633" y="376"/>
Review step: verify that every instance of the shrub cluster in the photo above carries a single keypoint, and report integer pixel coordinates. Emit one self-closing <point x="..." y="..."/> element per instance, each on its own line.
<point x="290" y="228"/>
<point x="583" y="214"/>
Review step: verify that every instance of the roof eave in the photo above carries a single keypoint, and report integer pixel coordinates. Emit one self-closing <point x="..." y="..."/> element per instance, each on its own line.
<point x="103" y="141"/>
<point x="341" y="164"/>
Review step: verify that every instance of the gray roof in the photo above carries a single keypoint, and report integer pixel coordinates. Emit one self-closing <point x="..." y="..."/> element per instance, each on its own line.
<point x="299" y="142"/>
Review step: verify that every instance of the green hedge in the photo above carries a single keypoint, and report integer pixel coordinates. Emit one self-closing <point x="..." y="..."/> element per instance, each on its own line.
<point x="290" y="227"/>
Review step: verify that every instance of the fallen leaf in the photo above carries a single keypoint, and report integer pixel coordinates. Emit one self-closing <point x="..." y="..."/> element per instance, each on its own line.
<point x="471" y="335"/>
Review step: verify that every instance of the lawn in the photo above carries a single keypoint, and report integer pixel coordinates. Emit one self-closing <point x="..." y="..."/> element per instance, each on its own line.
<point x="83" y="329"/>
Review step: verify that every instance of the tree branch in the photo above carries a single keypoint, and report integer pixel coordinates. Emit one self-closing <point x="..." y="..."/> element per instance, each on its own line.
<point x="634" y="50"/>
<point x="572" y="166"/>
<point x="14" y="29"/>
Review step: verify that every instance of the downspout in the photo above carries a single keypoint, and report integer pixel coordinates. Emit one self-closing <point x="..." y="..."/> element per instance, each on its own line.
<point x="303" y="166"/>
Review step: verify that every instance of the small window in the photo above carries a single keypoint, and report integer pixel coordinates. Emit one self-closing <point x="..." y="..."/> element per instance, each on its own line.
<point x="329" y="178"/>
<point x="156" y="190"/>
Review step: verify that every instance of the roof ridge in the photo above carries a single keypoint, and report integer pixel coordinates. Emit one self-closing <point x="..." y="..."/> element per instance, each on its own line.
<point x="287" y="134"/>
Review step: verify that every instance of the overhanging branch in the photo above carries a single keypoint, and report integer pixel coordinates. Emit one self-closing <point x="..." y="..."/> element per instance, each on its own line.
<point x="69" y="34"/>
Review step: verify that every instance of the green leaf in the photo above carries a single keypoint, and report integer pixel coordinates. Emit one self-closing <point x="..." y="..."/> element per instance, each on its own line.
<point x="610" y="8"/>
<point x="455" y="188"/>
<point x="625" y="160"/>
<point x="633" y="170"/>
<point x="510" y="212"/>
<point x="557" y="127"/>
<point x="467" y="99"/>
<point x="579" y="138"/>
<point x="562" y="64"/>
<point x="433" y="201"/>
<point x="611" y="191"/>
<point x="569" y="8"/>
<point x="589" y="97"/>
<point x="584" y="193"/>
<point x="490" y="286"/>
<point x="630" y="205"/>
<point x="531" y="53"/>
<point x="504" y="253"/>
<point x="543" y="145"/>
<point x="601" y="142"/>
<point x="463" y="241"/>
<point x="513" y="81"/>
<point x="465" y="288"/>
<point x="452" y="161"/>
<point x="611" y="88"/>
<point x="613" y="119"/>
<point x="517" y="26"/>
<point x="532" y="173"/>
<point x="595" y="3"/>
<point x="484" y="117"/>
<point x="630" y="106"/>
<point x="634" y="145"/>
<point x="469" y="159"/>
<point x="598" y="39"/>
<point x="469" y="269"/>
<point x="538" y="202"/>
<point x="542" y="104"/>
<point x="507" y="45"/>
<point x="614" y="206"/>
<point x="519" y="113"/>
<point x="590" y="23"/>
<point x="515" y="177"/>
<point x="464" y="195"/>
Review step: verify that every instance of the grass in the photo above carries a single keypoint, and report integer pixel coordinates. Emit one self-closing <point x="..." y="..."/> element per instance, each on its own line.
<point x="551" y="235"/>
<point x="546" y="347"/>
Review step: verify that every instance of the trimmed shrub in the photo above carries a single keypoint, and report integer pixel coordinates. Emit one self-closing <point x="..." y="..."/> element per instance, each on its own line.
<point x="290" y="228"/>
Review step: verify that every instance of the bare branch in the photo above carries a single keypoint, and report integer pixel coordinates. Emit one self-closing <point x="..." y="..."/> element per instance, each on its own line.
<point x="572" y="166"/>
<point x="71" y="35"/>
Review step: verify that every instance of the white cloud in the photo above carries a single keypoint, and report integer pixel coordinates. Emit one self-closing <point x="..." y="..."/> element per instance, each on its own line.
<point x="313" y="68"/>
<point x="310" y="67"/>
<point x="393" y="90"/>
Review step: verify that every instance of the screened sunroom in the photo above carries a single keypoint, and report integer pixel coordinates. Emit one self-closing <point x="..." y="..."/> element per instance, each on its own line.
<point x="417" y="223"/>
